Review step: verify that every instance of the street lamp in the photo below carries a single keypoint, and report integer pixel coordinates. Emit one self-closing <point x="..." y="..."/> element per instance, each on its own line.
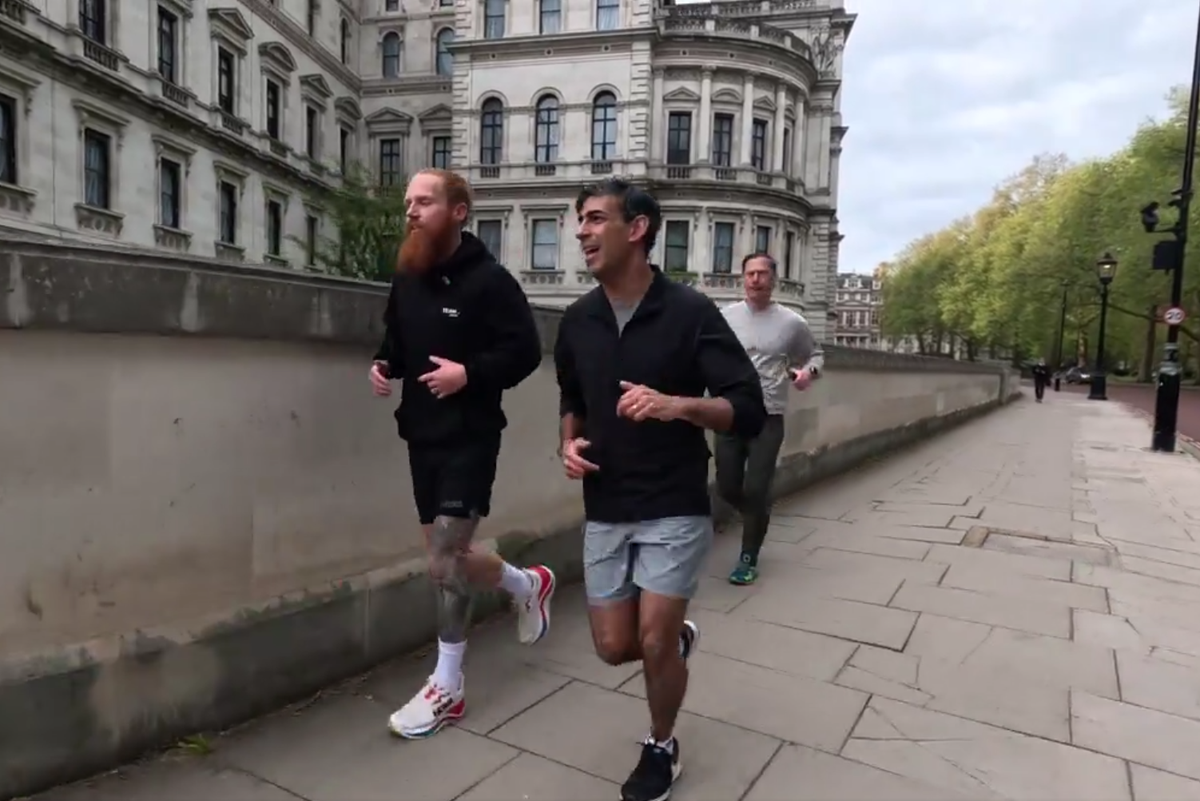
<point x="1106" y="270"/>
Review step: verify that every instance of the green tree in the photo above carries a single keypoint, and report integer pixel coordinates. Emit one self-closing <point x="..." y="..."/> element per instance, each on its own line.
<point x="995" y="279"/>
<point x="366" y="227"/>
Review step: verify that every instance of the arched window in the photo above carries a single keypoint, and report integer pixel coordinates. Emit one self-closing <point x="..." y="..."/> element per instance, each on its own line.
<point x="604" y="127"/>
<point x="391" y="55"/>
<point x="345" y="34"/>
<point x="445" y="59"/>
<point x="546" y="144"/>
<point x="491" y="132"/>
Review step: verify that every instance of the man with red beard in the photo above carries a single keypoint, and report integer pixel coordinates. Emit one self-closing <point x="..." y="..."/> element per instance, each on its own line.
<point x="459" y="332"/>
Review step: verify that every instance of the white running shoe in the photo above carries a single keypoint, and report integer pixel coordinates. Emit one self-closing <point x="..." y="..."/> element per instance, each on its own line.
<point x="533" y="614"/>
<point x="428" y="711"/>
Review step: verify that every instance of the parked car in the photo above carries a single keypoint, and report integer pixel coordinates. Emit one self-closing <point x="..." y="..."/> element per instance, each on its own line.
<point x="1077" y="375"/>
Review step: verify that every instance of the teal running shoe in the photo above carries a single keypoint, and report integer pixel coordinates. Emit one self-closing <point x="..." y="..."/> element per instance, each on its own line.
<point x="745" y="573"/>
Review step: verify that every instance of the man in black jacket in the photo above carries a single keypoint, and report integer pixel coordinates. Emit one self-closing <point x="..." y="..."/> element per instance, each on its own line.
<point x="1041" y="377"/>
<point x="634" y="358"/>
<point x="459" y="332"/>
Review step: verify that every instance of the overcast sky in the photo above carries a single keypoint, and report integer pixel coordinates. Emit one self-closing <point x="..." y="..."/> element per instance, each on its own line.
<point x="945" y="98"/>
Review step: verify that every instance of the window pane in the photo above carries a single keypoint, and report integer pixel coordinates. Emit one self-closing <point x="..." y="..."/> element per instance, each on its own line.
<point x="723" y="247"/>
<point x="758" y="145"/>
<point x="762" y="239"/>
<point x="445" y="59"/>
<point x="490" y="233"/>
<point x="493" y="19"/>
<point x="491" y="132"/>
<point x="169" y="173"/>
<point x="608" y="15"/>
<point x="604" y="127"/>
<point x="391" y="55"/>
<point x="96" y="150"/>
<point x="545" y="245"/>
<point x="679" y="138"/>
<point x="722" y="153"/>
<point x="676" y="254"/>
<point x="550" y="16"/>
<point x="547" y="130"/>
<point x="8" y="140"/>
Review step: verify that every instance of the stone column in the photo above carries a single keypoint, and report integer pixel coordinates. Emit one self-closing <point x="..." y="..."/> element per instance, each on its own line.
<point x="797" y="154"/>
<point x="747" y="119"/>
<point x="704" y="140"/>
<point x="657" y="124"/>
<point x="701" y="261"/>
<point x="826" y="145"/>
<point x="777" y="154"/>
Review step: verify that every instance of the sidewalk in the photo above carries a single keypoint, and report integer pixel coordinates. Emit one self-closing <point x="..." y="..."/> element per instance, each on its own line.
<point x="1011" y="611"/>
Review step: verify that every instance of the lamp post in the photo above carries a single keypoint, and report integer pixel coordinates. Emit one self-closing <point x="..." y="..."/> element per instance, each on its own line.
<point x="1062" y="327"/>
<point x="1106" y="270"/>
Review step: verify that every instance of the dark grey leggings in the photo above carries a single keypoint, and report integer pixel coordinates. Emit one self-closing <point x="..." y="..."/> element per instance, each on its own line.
<point x="745" y="470"/>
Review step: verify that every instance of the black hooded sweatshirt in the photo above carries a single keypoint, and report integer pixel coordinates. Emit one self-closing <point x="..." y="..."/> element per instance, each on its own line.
<point x="469" y="310"/>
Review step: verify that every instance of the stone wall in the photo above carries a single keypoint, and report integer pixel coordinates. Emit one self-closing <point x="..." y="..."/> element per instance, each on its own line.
<point x="206" y="513"/>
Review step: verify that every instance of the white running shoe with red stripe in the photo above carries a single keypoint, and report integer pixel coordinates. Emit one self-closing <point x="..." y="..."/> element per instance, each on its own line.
<point x="533" y="613"/>
<point x="428" y="711"/>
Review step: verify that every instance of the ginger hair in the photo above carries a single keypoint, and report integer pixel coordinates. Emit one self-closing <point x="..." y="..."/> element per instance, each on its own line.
<point x="454" y="186"/>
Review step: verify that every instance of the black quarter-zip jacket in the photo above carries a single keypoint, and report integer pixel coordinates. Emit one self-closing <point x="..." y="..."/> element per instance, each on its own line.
<point x="678" y="343"/>
<point x="469" y="310"/>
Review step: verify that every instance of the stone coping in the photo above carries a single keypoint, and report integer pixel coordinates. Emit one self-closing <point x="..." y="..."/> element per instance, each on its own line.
<point x="86" y="288"/>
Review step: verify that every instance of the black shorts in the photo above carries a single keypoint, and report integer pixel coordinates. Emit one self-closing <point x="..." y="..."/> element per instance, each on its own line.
<point x="454" y="480"/>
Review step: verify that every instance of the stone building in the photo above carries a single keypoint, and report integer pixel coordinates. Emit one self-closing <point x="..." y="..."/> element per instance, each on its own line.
<point x="213" y="127"/>
<point x="857" y="306"/>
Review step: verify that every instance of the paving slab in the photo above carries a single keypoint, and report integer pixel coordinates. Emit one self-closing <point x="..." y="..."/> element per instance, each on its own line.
<point x="980" y="761"/>
<point x="598" y="732"/>
<point x="890" y="651"/>
<point x="1156" y="785"/>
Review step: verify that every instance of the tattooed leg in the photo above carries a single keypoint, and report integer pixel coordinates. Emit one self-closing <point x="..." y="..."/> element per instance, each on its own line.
<point x="449" y="542"/>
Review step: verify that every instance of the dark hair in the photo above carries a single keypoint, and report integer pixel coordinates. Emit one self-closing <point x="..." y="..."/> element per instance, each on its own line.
<point x="634" y="201"/>
<point x="761" y="255"/>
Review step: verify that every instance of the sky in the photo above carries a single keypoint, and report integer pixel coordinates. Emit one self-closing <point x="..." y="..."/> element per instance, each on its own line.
<point x="944" y="99"/>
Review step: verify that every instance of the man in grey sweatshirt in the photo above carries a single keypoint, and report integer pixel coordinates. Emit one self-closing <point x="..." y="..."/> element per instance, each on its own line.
<point x="782" y="347"/>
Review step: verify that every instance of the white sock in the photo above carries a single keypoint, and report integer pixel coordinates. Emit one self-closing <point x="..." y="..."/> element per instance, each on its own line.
<point x="448" y="673"/>
<point x="516" y="582"/>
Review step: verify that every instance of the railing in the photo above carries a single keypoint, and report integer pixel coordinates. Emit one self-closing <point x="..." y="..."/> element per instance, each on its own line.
<point x="14" y="10"/>
<point x="231" y="123"/>
<point x="174" y="93"/>
<point x="683" y="20"/>
<point x="742" y="8"/>
<point x="104" y="56"/>
<point x="583" y="170"/>
<point x="542" y="277"/>
<point x="742" y="175"/>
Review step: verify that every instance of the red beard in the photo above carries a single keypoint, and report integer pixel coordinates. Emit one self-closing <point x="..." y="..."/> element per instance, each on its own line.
<point x="421" y="249"/>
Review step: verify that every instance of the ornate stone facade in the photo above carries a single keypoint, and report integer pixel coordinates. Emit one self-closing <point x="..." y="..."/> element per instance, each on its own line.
<point x="214" y="126"/>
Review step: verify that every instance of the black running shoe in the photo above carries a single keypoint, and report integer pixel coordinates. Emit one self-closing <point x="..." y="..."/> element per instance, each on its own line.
<point x="655" y="773"/>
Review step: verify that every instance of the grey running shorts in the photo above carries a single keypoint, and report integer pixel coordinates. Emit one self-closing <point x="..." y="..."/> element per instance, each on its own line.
<point x="663" y="557"/>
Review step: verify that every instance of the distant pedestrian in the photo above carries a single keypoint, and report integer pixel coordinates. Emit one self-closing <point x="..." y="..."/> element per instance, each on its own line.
<point x="1041" y="377"/>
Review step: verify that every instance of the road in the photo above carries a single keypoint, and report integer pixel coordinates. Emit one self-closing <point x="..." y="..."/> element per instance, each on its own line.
<point x="1141" y="397"/>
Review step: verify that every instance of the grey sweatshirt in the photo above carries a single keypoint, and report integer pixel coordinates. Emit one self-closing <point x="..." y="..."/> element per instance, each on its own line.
<point x="778" y="340"/>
